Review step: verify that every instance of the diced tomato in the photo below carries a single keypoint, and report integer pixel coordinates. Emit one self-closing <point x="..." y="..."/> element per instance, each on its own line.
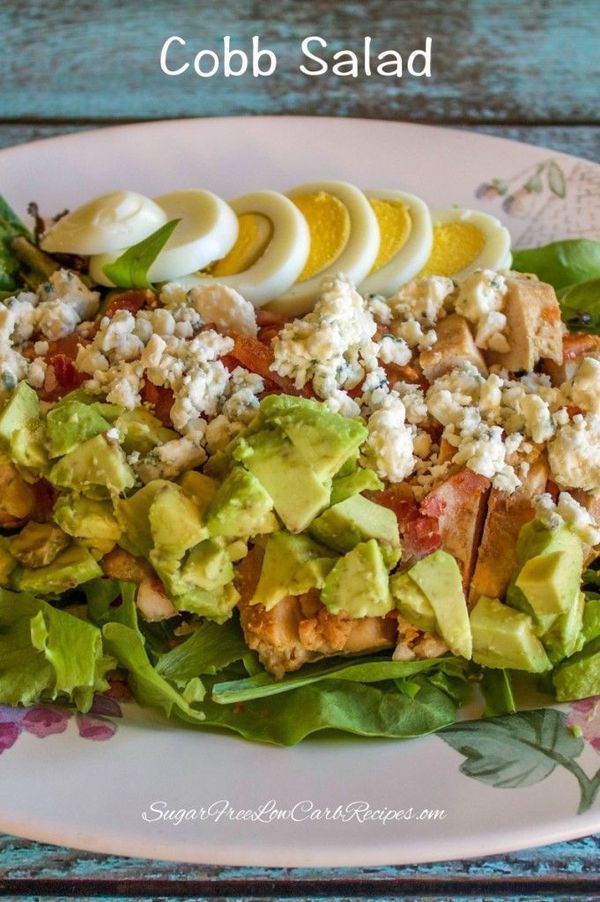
<point x="160" y="398"/>
<point x="420" y="534"/>
<point x="133" y="300"/>
<point x="553" y="490"/>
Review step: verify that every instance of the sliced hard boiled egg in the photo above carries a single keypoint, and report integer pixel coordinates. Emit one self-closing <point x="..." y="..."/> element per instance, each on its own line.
<point x="466" y="240"/>
<point x="344" y="237"/>
<point x="405" y="241"/>
<point x="254" y="234"/>
<point x="105" y="224"/>
<point x="273" y="266"/>
<point x="207" y="230"/>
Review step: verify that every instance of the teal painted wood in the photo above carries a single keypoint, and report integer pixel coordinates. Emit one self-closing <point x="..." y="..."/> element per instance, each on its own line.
<point x="581" y="141"/>
<point x="492" y="62"/>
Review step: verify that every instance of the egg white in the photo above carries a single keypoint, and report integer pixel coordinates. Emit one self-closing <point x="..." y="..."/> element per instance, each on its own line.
<point x="207" y="231"/>
<point x="355" y="259"/>
<point x="413" y="254"/>
<point x="496" y="250"/>
<point x="105" y="224"/>
<point x="284" y="257"/>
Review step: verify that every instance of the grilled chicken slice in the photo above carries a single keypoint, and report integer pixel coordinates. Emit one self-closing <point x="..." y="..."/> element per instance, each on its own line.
<point x="299" y="628"/>
<point x="151" y="598"/>
<point x="534" y="327"/>
<point x="454" y="347"/>
<point x="506" y="514"/>
<point x="459" y="505"/>
<point x="575" y="348"/>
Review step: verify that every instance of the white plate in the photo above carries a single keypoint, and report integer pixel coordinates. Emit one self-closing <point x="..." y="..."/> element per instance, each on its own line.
<point x="92" y="795"/>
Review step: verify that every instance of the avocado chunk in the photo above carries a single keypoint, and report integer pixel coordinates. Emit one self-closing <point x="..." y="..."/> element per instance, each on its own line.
<point x="296" y="492"/>
<point x="70" y="424"/>
<point x="361" y="480"/>
<point x="23" y="406"/>
<point x="97" y="468"/>
<point x="216" y="605"/>
<point x="38" y="544"/>
<point x="175" y="522"/>
<point x="439" y="578"/>
<point x="133" y="517"/>
<point x="325" y="440"/>
<point x="503" y="637"/>
<point x="72" y="567"/>
<point x="551" y="565"/>
<point x="358" y="583"/>
<point x="579" y="676"/>
<point x="240" y="508"/>
<point x="208" y="566"/>
<point x="142" y="431"/>
<point x="355" y="520"/>
<point x="200" y="488"/>
<point x="591" y="619"/>
<point x="412" y="602"/>
<point x="91" y="521"/>
<point x="565" y="635"/>
<point x="292" y="565"/>
<point x="28" y="447"/>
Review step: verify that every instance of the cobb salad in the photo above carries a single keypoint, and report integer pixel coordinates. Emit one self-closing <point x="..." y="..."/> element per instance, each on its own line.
<point x="293" y="463"/>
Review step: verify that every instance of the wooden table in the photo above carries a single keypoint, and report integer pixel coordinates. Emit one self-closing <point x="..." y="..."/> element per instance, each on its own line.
<point x="529" y="71"/>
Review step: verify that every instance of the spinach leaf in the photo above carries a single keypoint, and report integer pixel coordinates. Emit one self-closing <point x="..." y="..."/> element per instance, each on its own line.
<point x="496" y="686"/>
<point x="11" y="227"/>
<point x="130" y="270"/>
<point x="580" y="305"/>
<point x="561" y="263"/>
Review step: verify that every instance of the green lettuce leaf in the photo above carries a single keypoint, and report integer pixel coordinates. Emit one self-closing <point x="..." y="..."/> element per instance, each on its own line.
<point x="210" y="649"/>
<point x="48" y="654"/>
<point x="10" y="227"/>
<point x="367" y="670"/>
<point x="561" y="263"/>
<point x="130" y="270"/>
<point x="364" y="710"/>
<point x="149" y="687"/>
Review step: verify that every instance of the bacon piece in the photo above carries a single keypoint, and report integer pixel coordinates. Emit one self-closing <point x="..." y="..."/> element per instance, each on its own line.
<point x="62" y="377"/>
<point x="258" y="358"/>
<point x="420" y="532"/>
<point x="459" y="506"/>
<point x="133" y="300"/>
<point x="161" y="400"/>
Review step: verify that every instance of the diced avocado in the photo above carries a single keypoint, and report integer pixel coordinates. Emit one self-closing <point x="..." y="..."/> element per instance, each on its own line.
<point x="38" y="544"/>
<point x="142" y="431"/>
<point x="297" y="494"/>
<point x="361" y="480"/>
<point x="74" y="566"/>
<point x="91" y="521"/>
<point x="241" y="507"/>
<point x="208" y="566"/>
<point x="216" y="605"/>
<point x="175" y="522"/>
<point x="133" y="516"/>
<point x="503" y="637"/>
<point x="96" y="468"/>
<point x="28" y="447"/>
<point x="591" y="619"/>
<point x="71" y="424"/>
<point x="412" y="602"/>
<point x="358" y="584"/>
<point x="23" y="406"/>
<point x="7" y="561"/>
<point x="355" y="520"/>
<point x="439" y="578"/>
<point x="200" y="488"/>
<point x="292" y="565"/>
<point x="552" y="562"/>
<point x="324" y="439"/>
<point x="579" y="676"/>
<point x="18" y="498"/>
<point x="110" y="412"/>
<point x="565" y="635"/>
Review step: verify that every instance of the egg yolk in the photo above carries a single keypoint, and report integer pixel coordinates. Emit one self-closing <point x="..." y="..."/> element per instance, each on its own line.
<point x="395" y="226"/>
<point x="329" y="226"/>
<point x="255" y="233"/>
<point x="455" y="246"/>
